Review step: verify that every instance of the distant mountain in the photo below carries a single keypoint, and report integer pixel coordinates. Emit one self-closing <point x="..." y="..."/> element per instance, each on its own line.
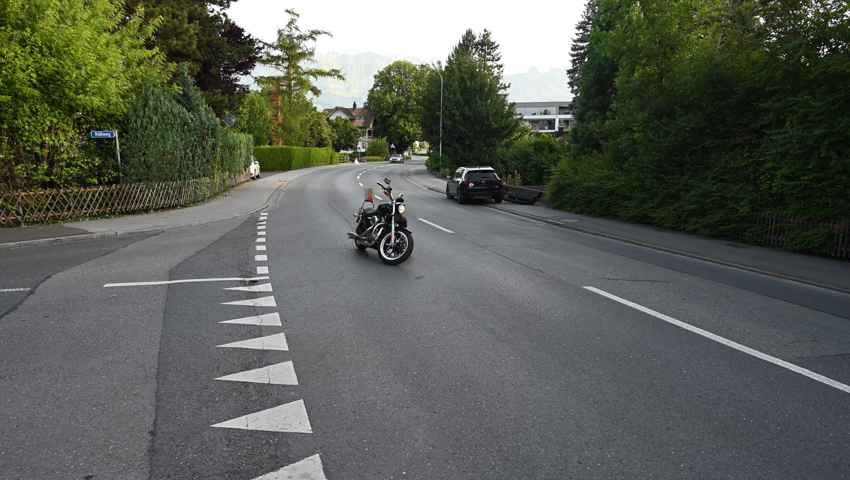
<point x="536" y="86"/>
<point x="360" y="69"/>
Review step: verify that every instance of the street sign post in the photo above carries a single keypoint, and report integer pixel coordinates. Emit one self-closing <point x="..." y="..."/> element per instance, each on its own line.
<point x="109" y="135"/>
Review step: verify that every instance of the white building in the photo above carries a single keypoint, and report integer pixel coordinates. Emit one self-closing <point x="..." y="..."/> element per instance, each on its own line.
<point x="547" y="117"/>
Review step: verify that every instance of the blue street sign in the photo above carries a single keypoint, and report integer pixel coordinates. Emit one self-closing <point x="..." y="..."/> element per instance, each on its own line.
<point x="102" y="134"/>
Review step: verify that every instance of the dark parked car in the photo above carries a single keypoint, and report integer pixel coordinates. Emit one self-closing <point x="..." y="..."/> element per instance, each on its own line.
<point x="475" y="183"/>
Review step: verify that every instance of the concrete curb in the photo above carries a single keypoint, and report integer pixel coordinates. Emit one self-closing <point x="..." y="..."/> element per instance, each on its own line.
<point x="681" y="253"/>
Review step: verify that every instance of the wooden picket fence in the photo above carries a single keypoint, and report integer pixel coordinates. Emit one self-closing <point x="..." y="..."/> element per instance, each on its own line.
<point x="831" y="238"/>
<point x="45" y="206"/>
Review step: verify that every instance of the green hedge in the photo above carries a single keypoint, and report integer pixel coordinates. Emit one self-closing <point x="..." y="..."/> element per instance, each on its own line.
<point x="283" y="158"/>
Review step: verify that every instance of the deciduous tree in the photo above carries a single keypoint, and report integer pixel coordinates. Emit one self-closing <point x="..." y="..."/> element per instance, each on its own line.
<point x="395" y="100"/>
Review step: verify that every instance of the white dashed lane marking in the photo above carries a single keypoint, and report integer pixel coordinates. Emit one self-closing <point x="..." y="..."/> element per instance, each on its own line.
<point x="278" y="374"/>
<point x="426" y="222"/>
<point x="261" y="248"/>
<point x="276" y="342"/>
<point x="290" y="418"/>
<point x="262" y="270"/>
<point x="725" y="341"/>
<point x="261" y="258"/>
<point x="261" y="240"/>
<point x="254" y="302"/>
<point x="265" y="320"/>
<point x="13" y="290"/>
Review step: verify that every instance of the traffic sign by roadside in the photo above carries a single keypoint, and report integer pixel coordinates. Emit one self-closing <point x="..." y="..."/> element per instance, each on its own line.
<point x="110" y="134"/>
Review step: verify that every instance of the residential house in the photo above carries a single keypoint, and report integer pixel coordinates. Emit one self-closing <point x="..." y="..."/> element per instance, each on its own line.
<point x="361" y="118"/>
<point x="547" y="117"/>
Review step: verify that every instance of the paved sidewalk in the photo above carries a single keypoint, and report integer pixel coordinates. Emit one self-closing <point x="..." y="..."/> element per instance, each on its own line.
<point x="237" y="202"/>
<point x="825" y="272"/>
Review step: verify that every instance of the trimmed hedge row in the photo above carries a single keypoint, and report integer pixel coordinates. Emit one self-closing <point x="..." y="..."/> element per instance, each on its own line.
<point x="282" y="158"/>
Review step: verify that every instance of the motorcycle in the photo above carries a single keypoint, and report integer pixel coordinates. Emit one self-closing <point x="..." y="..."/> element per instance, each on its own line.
<point x="383" y="227"/>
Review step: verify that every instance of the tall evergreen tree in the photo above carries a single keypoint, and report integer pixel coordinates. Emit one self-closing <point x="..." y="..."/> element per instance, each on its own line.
<point x="477" y="117"/>
<point x="291" y="54"/>
<point x="200" y="34"/>
<point x="578" y="49"/>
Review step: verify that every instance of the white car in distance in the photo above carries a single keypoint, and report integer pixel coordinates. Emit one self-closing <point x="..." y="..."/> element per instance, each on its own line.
<point x="254" y="169"/>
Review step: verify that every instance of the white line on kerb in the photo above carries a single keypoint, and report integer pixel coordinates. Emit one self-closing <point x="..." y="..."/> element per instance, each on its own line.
<point x="11" y="290"/>
<point x="435" y="225"/>
<point x="729" y="343"/>
<point x="187" y="280"/>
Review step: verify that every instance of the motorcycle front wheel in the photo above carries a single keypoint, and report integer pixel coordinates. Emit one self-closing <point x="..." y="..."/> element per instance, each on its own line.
<point x="394" y="254"/>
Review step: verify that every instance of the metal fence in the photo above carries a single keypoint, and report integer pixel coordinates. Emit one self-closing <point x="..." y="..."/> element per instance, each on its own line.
<point x="44" y="206"/>
<point x="831" y="238"/>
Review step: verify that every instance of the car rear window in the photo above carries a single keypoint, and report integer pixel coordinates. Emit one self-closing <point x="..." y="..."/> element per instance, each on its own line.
<point x="481" y="176"/>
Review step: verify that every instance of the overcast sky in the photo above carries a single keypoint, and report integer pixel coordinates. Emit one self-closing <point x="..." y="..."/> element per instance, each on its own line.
<point x="532" y="34"/>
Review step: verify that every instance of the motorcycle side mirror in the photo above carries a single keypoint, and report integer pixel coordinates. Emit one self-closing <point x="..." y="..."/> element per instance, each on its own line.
<point x="387" y="181"/>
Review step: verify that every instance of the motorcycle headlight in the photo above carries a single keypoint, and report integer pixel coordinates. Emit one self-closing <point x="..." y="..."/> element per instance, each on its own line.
<point x="402" y="209"/>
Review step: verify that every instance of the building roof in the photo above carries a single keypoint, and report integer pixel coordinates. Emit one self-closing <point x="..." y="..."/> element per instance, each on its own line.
<point x="544" y="104"/>
<point x="360" y="117"/>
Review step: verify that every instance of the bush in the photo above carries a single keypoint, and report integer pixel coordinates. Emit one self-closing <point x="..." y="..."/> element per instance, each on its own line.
<point x="157" y="141"/>
<point x="532" y="158"/>
<point x="282" y="158"/>
<point x="378" y="147"/>
<point x="435" y="163"/>
<point x="234" y="153"/>
<point x="176" y="136"/>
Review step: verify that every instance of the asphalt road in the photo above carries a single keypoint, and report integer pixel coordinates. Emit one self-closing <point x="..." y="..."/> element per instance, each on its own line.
<point x="503" y="349"/>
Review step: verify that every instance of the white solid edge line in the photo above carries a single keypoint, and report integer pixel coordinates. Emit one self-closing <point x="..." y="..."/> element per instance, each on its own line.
<point x="187" y="280"/>
<point x="435" y="225"/>
<point x="10" y="290"/>
<point x="725" y="341"/>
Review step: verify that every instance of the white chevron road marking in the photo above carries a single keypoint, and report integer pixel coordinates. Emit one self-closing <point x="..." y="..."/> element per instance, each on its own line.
<point x="308" y="469"/>
<point x="265" y="320"/>
<point x="265" y="287"/>
<point x="277" y="374"/>
<point x="287" y="418"/>
<point x="254" y="302"/>
<point x="276" y="342"/>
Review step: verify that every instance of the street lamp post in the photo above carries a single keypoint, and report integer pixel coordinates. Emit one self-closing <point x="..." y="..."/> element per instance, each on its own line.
<point x="441" y="119"/>
<point x="440" y="73"/>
